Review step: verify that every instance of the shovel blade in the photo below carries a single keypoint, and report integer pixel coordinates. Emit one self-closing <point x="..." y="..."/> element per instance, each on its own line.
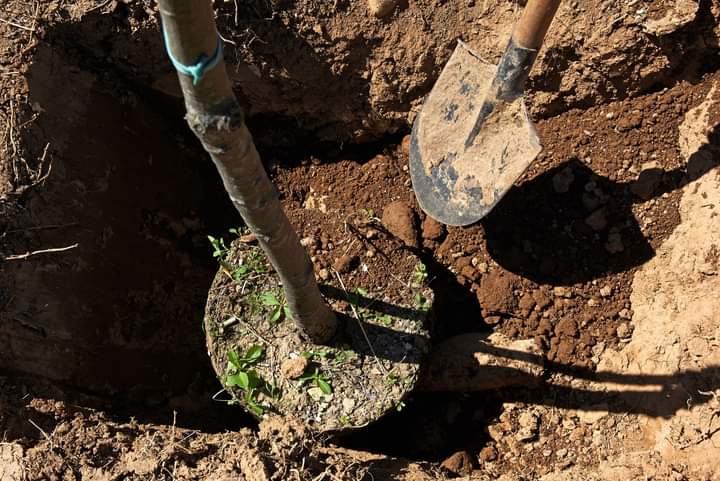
<point x="458" y="176"/>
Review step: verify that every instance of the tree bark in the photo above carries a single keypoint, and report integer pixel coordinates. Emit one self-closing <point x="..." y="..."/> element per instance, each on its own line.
<point x="217" y="119"/>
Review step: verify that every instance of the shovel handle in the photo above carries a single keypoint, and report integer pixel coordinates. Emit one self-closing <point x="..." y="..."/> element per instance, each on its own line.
<point x="515" y="64"/>
<point x="534" y="23"/>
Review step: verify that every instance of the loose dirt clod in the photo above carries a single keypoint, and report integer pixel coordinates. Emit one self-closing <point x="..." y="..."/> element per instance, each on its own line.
<point x="401" y="221"/>
<point x="459" y="463"/>
<point x="381" y="8"/>
<point x="346" y="263"/>
<point x="432" y="229"/>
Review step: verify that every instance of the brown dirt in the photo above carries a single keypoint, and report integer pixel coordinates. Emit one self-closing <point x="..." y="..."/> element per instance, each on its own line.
<point x="110" y="329"/>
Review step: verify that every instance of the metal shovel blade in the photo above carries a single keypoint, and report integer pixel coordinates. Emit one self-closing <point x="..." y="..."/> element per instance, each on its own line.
<point x="462" y="161"/>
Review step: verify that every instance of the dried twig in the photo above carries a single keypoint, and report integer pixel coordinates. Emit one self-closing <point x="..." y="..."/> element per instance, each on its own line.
<point x="16" y="257"/>
<point x="42" y="431"/>
<point x="33" y="25"/>
<point x="253" y="331"/>
<point x="98" y="6"/>
<point x="17" y="25"/>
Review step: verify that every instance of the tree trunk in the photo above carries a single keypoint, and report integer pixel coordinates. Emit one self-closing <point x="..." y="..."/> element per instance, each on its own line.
<point x="215" y="116"/>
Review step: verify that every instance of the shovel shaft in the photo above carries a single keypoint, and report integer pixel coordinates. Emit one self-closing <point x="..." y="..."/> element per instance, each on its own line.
<point x="522" y="49"/>
<point x="519" y="57"/>
<point x="534" y="23"/>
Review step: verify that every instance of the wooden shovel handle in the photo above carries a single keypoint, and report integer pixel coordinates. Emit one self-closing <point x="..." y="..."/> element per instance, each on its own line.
<point x="534" y="23"/>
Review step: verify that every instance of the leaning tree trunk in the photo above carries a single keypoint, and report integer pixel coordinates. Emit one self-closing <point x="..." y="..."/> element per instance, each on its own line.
<point x="217" y="119"/>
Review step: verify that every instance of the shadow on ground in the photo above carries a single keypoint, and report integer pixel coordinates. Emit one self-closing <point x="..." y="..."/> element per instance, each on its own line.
<point x="543" y="235"/>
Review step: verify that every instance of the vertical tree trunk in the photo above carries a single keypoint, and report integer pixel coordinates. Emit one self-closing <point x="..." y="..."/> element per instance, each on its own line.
<point x="215" y="116"/>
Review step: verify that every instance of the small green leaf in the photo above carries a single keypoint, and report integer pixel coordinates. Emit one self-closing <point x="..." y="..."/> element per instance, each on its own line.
<point x="286" y="311"/>
<point x="386" y="320"/>
<point x="255" y="409"/>
<point x="269" y="299"/>
<point x="324" y="386"/>
<point x="234" y="359"/>
<point x="240" y="380"/>
<point x="275" y="315"/>
<point x="254" y="379"/>
<point x="361" y="291"/>
<point x="253" y="354"/>
<point x="240" y="272"/>
<point x="243" y="382"/>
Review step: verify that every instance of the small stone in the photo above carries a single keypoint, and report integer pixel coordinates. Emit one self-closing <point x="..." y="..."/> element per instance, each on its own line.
<point x="432" y="229"/>
<point x="625" y="314"/>
<point x="370" y="253"/>
<point x="623" y="330"/>
<point x="295" y="367"/>
<point x="529" y="424"/>
<point x="346" y="263"/>
<point x="371" y="234"/>
<point x="598" y="349"/>
<point x="308" y="241"/>
<point x="562" y="180"/>
<point x="381" y="8"/>
<point x="568" y="424"/>
<point x="614" y="243"/>
<point x="561" y="453"/>
<point x="348" y="405"/>
<point x="488" y="453"/>
<point x="606" y="291"/>
<point x="405" y="145"/>
<point x="482" y="267"/>
<point x="459" y="463"/>
<point x="561" y="291"/>
<point x="399" y="218"/>
<point x="597" y="220"/>
<point x="324" y="274"/>
<point x="592" y="302"/>
<point x="317" y="395"/>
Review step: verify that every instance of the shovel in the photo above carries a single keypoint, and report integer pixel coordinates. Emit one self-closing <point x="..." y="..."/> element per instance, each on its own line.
<point x="473" y="139"/>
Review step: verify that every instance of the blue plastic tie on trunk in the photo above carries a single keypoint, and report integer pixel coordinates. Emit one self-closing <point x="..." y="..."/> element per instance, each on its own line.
<point x="201" y="66"/>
